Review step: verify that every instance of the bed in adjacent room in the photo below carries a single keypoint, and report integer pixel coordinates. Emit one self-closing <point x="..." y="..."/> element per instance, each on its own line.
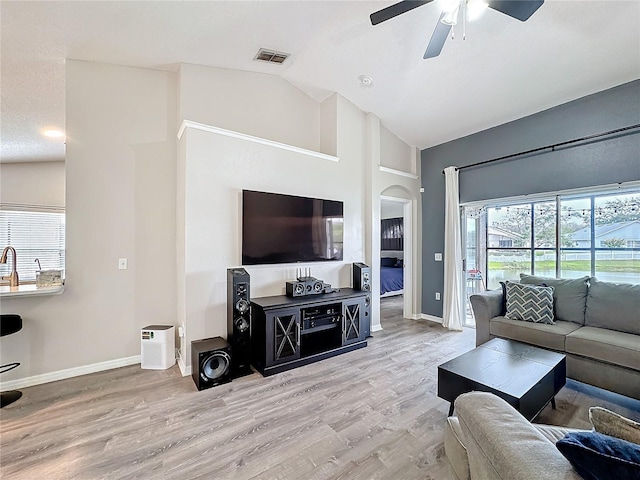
<point x="391" y="276"/>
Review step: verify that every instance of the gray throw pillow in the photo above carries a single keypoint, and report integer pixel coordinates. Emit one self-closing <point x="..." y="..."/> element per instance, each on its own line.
<point x="614" y="306"/>
<point x="610" y="423"/>
<point x="569" y="295"/>
<point x="530" y="303"/>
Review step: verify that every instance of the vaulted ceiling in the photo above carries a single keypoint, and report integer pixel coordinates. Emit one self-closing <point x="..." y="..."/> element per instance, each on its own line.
<point x="504" y="70"/>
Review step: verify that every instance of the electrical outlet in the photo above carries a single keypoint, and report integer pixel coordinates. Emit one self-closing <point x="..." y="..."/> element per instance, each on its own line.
<point x="437" y="295"/>
<point x="438" y="257"/>
<point x="122" y="264"/>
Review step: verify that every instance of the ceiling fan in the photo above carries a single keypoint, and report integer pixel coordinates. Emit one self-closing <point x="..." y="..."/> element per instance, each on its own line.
<point x="520" y="9"/>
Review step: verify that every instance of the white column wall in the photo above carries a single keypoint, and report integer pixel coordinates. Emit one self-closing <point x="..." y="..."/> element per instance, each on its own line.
<point x="218" y="167"/>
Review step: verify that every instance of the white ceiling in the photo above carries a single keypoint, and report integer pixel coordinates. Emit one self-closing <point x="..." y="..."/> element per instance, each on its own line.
<point x="505" y="69"/>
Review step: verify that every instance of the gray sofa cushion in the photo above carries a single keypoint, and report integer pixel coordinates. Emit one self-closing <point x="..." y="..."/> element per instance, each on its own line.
<point x="456" y="451"/>
<point x="542" y="335"/>
<point x="615" y="306"/>
<point x="606" y="345"/>
<point x="569" y="295"/>
<point x="611" y="423"/>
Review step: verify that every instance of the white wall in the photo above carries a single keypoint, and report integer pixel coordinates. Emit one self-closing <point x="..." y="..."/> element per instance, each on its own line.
<point x="218" y="168"/>
<point x="120" y="202"/>
<point x="257" y="104"/>
<point x="396" y="154"/>
<point x="32" y="183"/>
<point x="391" y="210"/>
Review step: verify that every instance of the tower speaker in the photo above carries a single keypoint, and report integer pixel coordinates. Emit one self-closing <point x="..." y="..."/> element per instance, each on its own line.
<point x="239" y="320"/>
<point x="210" y="362"/>
<point x="366" y="325"/>
<point x="361" y="277"/>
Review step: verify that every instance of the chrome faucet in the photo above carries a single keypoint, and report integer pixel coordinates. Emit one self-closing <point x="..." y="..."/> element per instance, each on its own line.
<point x="13" y="277"/>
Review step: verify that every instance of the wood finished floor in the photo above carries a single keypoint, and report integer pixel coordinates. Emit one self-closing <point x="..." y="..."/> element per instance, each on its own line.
<point x="368" y="414"/>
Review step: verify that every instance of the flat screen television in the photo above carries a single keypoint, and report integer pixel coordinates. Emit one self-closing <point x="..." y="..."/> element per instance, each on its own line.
<point x="279" y="228"/>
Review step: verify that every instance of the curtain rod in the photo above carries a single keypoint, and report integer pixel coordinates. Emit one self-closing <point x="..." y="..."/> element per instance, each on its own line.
<point x="552" y="147"/>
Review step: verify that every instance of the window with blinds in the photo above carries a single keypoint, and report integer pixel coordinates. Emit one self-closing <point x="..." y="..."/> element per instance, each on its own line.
<point x="33" y="234"/>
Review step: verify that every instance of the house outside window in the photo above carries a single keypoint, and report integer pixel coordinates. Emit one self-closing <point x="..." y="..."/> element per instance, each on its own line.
<point x="566" y="236"/>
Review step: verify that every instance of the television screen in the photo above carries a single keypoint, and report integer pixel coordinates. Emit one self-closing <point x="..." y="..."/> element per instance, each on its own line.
<point x="280" y="228"/>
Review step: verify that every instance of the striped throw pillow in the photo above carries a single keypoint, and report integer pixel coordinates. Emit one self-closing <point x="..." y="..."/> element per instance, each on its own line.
<point x="531" y="303"/>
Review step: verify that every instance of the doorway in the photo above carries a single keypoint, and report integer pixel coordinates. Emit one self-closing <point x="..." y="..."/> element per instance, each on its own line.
<point x="396" y="268"/>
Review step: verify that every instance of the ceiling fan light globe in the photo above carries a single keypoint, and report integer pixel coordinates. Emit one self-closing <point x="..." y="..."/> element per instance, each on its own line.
<point x="475" y="9"/>
<point x="450" y="18"/>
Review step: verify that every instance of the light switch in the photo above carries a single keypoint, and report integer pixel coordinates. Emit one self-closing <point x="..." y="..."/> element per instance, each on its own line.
<point x="437" y="295"/>
<point x="122" y="264"/>
<point x="438" y="257"/>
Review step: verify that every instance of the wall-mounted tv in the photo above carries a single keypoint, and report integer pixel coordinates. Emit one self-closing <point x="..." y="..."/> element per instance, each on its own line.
<point x="279" y="228"/>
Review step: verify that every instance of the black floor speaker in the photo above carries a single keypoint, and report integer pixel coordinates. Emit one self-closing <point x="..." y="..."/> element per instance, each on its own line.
<point x="239" y="320"/>
<point x="367" y="316"/>
<point x="210" y="362"/>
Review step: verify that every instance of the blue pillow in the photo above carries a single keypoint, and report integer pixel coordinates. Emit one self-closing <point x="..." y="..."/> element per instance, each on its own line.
<point x="599" y="457"/>
<point x="388" y="261"/>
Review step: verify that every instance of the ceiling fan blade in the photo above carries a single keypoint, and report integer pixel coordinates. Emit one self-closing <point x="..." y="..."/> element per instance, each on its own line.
<point x="438" y="38"/>
<point x="520" y="9"/>
<point x="395" y="10"/>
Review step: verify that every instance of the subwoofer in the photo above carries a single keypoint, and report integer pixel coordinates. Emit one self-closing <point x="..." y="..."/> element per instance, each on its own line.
<point x="210" y="362"/>
<point x="239" y="320"/>
<point x="361" y="277"/>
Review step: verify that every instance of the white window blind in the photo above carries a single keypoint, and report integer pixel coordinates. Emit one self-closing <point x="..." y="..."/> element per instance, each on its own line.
<point x="33" y="234"/>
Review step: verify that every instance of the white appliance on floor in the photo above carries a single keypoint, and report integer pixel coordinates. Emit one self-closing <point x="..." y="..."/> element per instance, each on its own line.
<point x="158" y="347"/>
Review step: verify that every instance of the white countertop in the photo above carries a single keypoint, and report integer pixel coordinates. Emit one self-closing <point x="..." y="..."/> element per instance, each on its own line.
<point x="29" y="290"/>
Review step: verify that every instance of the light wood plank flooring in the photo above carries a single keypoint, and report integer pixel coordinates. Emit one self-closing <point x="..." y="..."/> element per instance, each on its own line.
<point x="372" y="413"/>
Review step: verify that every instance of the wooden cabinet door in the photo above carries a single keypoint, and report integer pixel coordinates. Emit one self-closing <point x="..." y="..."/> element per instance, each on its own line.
<point x="353" y="321"/>
<point x="283" y="339"/>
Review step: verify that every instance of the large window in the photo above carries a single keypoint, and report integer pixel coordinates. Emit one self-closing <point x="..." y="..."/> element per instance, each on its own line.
<point x="566" y="236"/>
<point x="34" y="234"/>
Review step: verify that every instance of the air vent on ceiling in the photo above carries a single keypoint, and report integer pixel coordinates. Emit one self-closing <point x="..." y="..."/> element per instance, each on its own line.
<point x="271" y="56"/>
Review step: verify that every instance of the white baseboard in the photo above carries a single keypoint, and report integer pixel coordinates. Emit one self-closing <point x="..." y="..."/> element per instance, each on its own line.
<point x="376" y="328"/>
<point x="431" y="318"/>
<point x="69" y="373"/>
<point x="184" y="370"/>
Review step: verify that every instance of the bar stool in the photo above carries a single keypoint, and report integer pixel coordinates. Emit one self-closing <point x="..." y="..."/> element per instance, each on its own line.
<point x="9" y="323"/>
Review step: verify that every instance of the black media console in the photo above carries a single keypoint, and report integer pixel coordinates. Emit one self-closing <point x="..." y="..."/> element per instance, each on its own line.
<point x="290" y="332"/>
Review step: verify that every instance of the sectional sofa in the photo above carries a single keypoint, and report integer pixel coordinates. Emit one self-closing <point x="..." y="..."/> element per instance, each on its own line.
<point x="596" y="325"/>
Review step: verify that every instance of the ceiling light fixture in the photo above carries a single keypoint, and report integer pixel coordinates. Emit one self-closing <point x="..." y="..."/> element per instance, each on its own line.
<point x="53" y="133"/>
<point x="471" y="10"/>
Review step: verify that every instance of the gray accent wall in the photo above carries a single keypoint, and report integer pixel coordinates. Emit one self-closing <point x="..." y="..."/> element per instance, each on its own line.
<point x="598" y="162"/>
